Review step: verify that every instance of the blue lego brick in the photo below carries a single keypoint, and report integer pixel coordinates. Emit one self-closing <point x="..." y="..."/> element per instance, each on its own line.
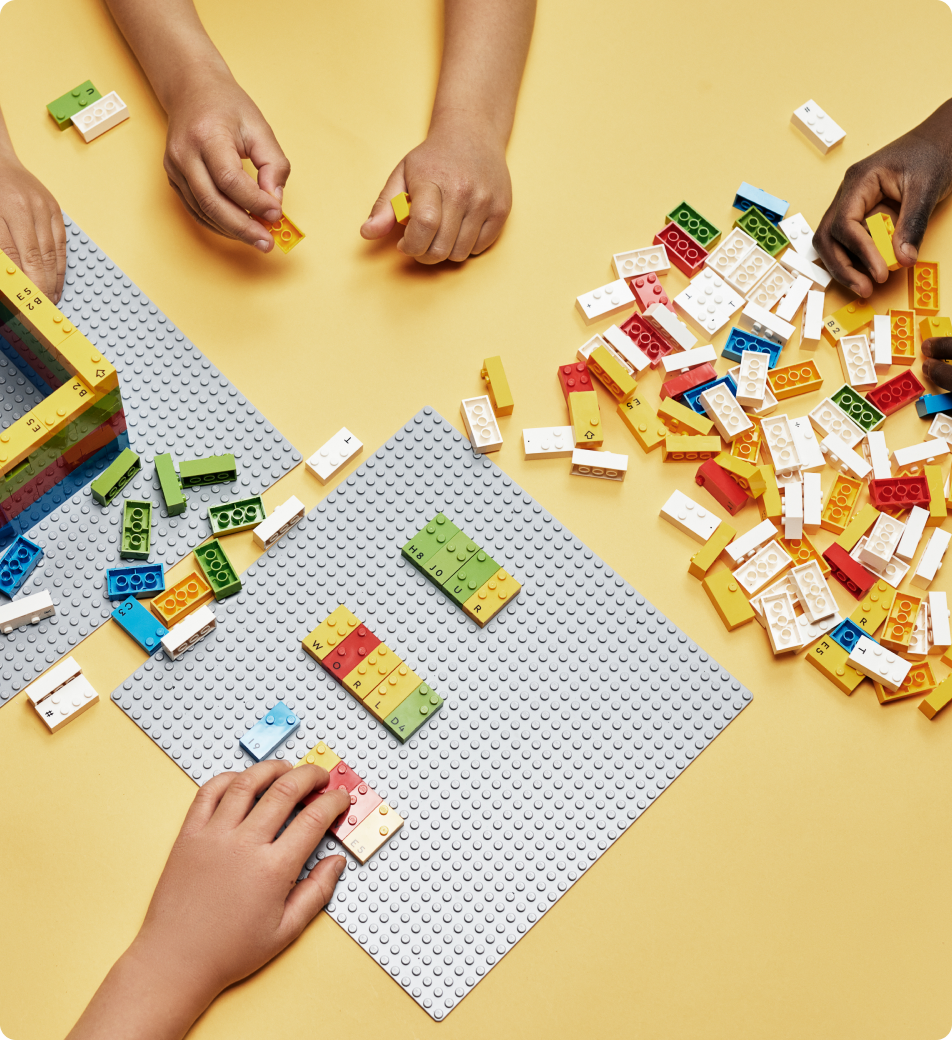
<point x="16" y="564"/>
<point x="692" y="398"/>
<point x="738" y="341"/>
<point x="146" y="579"/>
<point x="265" y="736"/>
<point x="140" y="624"/>
<point x="932" y="404"/>
<point x="847" y="634"/>
<point x="772" y="208"/>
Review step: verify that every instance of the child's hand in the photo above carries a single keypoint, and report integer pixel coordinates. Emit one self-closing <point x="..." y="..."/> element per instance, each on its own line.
<point x="32" y="233"/>
<point x="936" y="352"/>
<point x="460" y="196"/>
<point x="911" y="174"/>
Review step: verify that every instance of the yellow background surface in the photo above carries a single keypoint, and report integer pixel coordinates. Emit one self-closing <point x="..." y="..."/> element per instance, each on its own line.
<point x="794" y="882"/>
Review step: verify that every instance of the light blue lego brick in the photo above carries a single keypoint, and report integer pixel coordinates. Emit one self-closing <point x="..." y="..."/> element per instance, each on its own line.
<point x="144" y="580"/>
<point x="738" y="341"/>
<point x="692" y="398"/>
<point x="932" y="404"/>
<point x="140" y="624"/>
<point x="17" y="563"/>
<point x="265" y="736"/>
<point x="772" y="208"/>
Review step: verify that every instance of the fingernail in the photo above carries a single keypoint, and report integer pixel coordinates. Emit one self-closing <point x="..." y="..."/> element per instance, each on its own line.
<point x="263" y="244"/>
<point x="855" y="289"/>
<point x="910" y="250"/>
<point x="279" y="193"/>
<point x="273" y="215"/>
<point x="341" y="867"/>
<point x="400" y="246"/>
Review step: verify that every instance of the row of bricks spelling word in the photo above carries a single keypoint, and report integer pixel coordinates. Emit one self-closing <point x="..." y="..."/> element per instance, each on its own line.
<point x="468" y="575"/>
<point x="370" y="671"/>
<point x="368" y="823"/>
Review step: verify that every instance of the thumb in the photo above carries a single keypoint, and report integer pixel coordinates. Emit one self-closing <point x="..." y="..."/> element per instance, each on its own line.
<point x="382" y="220"/>
<point x="310" y="896"/>
<point x="918" y="202"/>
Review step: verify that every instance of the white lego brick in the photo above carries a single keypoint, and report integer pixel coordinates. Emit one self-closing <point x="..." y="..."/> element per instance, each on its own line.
<point x="736" y="245"/>
<point x="800" y="234"/>
<point x="880" y="664"/>
<point x="812" y="502"/>
<point x="763" y="567"/>
<point x="49" y="682"/>
<point x="793" y="299"/>
<point x="637" y="360"/>
<point x="337" y="452"/>
<point x="808" y="447"/>
<point x="772" y="288"/>
<point x="549" y="442"/>
<point x="723" y="409"/>
<point x="604" y="464"/>
<point x="880" y="341"/>
<point x="892" y="573"/>
<point x="779" y="440"/>
<point x="278" y="523"/>
<point x="784" y="583"/>
<point x="648" y="260"/>
<point x="931" y="559"/>
<point x="67" y="703"/>
<point x="941" y="428"/>
<point x="480" y="422"/>
<point x="769" y="403"/>
<point x="940" y="635"/>
<point x="30" y="610"/>
<point x="919" y="637"/>
<point x="748" y="543"/>
<point x="878" y="454"/>
<point x="792" y="507"/>
<point x="915" y="456"/>
<point x="817" y="126"/>
<point x="682" y="360"/>
<point x="670" y="326"/>
<point x="100" y="116"/>
<point x="188" y="631"/>
<point x="843" y="459"/>
<point x="786" y="477"/>
<point x="793" y="261"/>
<point x="811" y="328"/>
<point x="762" y="323"/>
<point x="856" y="360"/>
<point x="882" y="541"/>
<point x="828" y="417"/>
<point x="708" y="303"/>
<point x="605" y="300"/>
<point x="912" y="535"/>
<point x="813" y="592"/>
<point x="584" y="352"/>
<point x="752" y="379"/>
<point x="745" y="274"/>
<point x="810" y="631"/>
<point x="780" y="621"/>
<point x="690" y="517"/>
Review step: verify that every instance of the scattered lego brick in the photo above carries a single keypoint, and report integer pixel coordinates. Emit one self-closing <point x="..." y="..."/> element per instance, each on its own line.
<point x="170" y="485"/>
<point x="574" y="379"/>
<point x="648" y="290"/>
<point x="140" y="624"/>
<point x="902" y="327"/>
<point x="285" y="232"/>
<point x="188" y="632"/>
<point x="696" y="377"/>
<point x="901" y="390"/>
<point x="585" y="416"/>
<point x="641" y="261"/>
<point x="643" y="423"/>
<point x="328" y="460"/>
<point x="689" y="449"/>
<point x="142" y="580"/>
<point x="793" y="380"/>
<point x="611" y="374"/>
<point x="498" y="385"/>
<point x="28" y="610"/>
<point x="937" y="699"/>
<point x="853" y="576"/>
<point x="277" y="525"/>
<point x="738" y="341"/>
<point x="706" y="556"/>
<point x="604" y="301"/>
<point x="218" y="569"/>
<point x="893" y="493"/>
<point x="64" y="108"/>
<point x="216" y="469"/>
<point x="688" y="218"/>
<point x="646" y="338"/>
<point x="99" y="116"/>
<point x="686" y="254"/>
<point x="766" y="234"/>
<point x="866" y="416"/>
<point x="816" y="126"/>
<point x="115" y="477"/>
<point x="136" y="530"/>
<point x="17" y="564"/>
<point x="480" y="423"/>
<point x="729" y="601"/>
<point x="880" y="227"/>
<point x="605" y="465"/>
<point x="181" y="599"/>
<point x="924" y="288"/>
<point x="239" y="515"/>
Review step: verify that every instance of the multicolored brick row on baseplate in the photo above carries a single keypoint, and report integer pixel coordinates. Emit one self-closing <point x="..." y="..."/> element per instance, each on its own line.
<point x="370" y="671"/>
<point x="468" y="575"/>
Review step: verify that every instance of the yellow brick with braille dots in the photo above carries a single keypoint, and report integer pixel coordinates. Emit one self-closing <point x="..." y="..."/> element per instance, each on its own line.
<point x="848" y="319"/>
<point x="689" y="449"/>
<point x="643" y="423"/>
<point x="832" y="660"/>
<point x="611" y="374"/>
<point x="881" y="231"/>
<point x="488" y="600"/>
<point x="331" y="632"/>
<point x="371" y="672"/>
<point x="586" y="419"/>
<point x="929" y="328"/>
<point x="919" y="680"/>
<point x="874" y="608"/>
<point x="395" y="689"/>
<point x="370" y="834"/>
<point x="320" y="755"/>
<point x="728" y="598"/>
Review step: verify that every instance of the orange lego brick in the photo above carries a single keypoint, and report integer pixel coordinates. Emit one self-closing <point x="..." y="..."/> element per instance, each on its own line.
<point x="181" y="599"/>
<point x="938" y="699"/>
<point x="900" y="621"/>
<point x="689" y="449"/>
<point x="902" y="327"/>
<point x="803" y="551"/>
<point x="643" y="423"/>
<point x="919" y="680"/>
<point x="839" y="505"/>
<point x="793" y="380"/>
<point x="746" y="445"/>
<point x="724" y="591"/>
<point x="703" y="560"/>
<point x="871" y="612"/>
<point x="924" y="287"/>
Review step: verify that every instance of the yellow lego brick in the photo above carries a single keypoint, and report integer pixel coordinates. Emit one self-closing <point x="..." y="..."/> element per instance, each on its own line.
<point x="938" y="699"/>
<point x="320" y="755"/>
<point x="769" y="503"/>
<point x="703" y="560"/>
<point x="929" y="328"/>
<point x="393" y="691"/>
<point x="873" y="610"/>
<point x="847" y="320"/>
<point x="919" y="680"/>
<point x="285" y="232"/>
<point x="803" y="551"/>
<point x="645" y="426"/>
<point x="746" y="445"/>
<point x="839" y="505"/>
<point x="924" y="287"/>
<point x="862" y="521"/>
<point x="372" y="833"/>
<point x="793" y="380"/>
<point x="881" y="231"/>
<point x="498" y="385"/>
<point x="689" y="449"/>
<point x="586" y="419"/>
<point x="748" y="476"/>
<point x="938" y="510"/>
<point x="728" y="598"/>
<point x="78" y="356"/>
<point x="371" y="672"/>
<point x="611" y="374"/>
<point x="678" y="418"/>
<point x="331" y="632"/>
<point x="486" y="602"/>
<point x="401" y="207"/>
<point x="831" y="659"/>
<point x="900" y="621"/>
<point x="902" y="327"/>
<point x="181" y="599"/>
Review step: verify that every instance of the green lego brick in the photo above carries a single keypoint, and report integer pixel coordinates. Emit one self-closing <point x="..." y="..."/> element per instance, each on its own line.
<point x="136" y="529"/>
<point x="768" y="236"/>
<point x="106" y="486"/>
<point x="858" y="408"/>
<point x="688" y="218"/>
<point x="413" y="711"/>
<point x="170" y="484"/>
<point x="64" y="108"/>
<point x="471" y="576"/>
<point x="448" y="560"/>
<point x="429" y="540"/>
<point x="216" y="469"/>
<point x="218" y="569"/>
<point x="241" y="515"/>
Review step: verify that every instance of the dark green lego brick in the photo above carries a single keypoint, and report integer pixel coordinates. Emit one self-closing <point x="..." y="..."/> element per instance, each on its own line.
<point x="218" y="569"/>
<point x="688" y="218"/>
<point x="413" y="712"/>
<point x="115" y="477"/>
<point x="170" y="485"/>
<point x="767" y="235"/>
<point x="64" y="108"/>
<point x="241" y="515"/>
<point x="136" y="530"/>
<point x="216" y="469"/>
<point x="858" y="408"/>
<point x="429" y="540"/>
<point x="471" y="576"/>
<point x="448" y="560"/>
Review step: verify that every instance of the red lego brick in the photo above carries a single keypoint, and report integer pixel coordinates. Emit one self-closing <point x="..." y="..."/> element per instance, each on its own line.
<point x="722" y="486"/>
<point x="890" y="396"/>
<point x="851" y="575"/>
<point x="574" y="378"/>
<point x="363" y="800"/>
<point x="688" y="380"/>
<point x="649" y="290"/>
<point x="893" y="493"/>
<point x="687" y="255"/>
<point x="650" y="342"/>
<point x="344" y="659"/>
<point x="340" y="776"/>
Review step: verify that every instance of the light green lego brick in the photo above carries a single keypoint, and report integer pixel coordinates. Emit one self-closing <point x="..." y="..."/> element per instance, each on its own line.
<point x="240" y="515"/>
<point x="136" y="530"/>
<point x="413" y="712"/>
<point x="218" y="569"/>
<point x="170" y="484"/>
<point x="64" y="108"/>
<point x="106" y="486"/>
<point x="216" y="469"/>
<point x="428" y="541"/>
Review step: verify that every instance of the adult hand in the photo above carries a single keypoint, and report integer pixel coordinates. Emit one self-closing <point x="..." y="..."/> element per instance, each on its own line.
<point x="936" y="352"/>
<point x="32" y="233"/>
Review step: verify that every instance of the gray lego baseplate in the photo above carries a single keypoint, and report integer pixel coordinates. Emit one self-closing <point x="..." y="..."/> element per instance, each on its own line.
<point x="564" y="718"/>
<point x="174" y="401"/>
